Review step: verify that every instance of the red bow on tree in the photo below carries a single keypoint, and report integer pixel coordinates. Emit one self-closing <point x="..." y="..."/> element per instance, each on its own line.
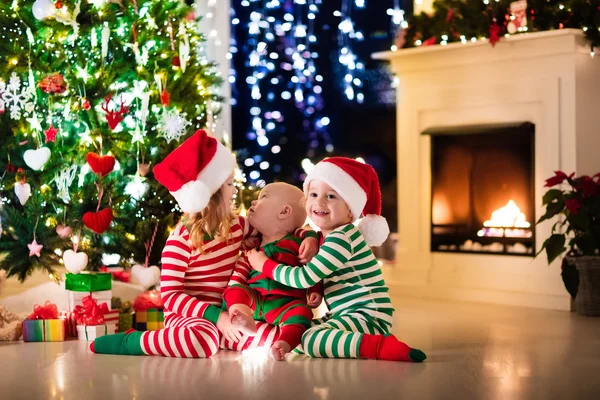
<point x="90" y="313"/>
<point x="47" y="311"/>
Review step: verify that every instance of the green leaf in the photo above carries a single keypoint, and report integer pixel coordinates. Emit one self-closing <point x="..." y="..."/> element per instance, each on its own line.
<point x="552" y="209"/>
<point x="551" y="195"/>
<point x="555" y="246"/>
<point x="579" y="222"/>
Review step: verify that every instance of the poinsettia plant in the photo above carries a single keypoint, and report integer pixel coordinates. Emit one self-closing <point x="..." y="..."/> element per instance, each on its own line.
<point x="577" y="205"/>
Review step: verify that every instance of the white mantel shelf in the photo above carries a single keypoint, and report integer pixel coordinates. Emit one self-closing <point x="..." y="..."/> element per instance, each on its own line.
<point x="547" y="78"/>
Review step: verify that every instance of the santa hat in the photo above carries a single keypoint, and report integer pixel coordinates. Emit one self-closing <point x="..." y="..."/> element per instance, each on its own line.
<point x="358" y="185"/>
<point x="194" y="171"/>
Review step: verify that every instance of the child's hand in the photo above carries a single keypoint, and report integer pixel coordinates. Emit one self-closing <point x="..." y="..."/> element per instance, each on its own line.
<point x="250" y="243"/>
<point x="256" y="259"/>
<point x="308" y="249"/>
<point x="225" y="326"/>
<point x="314" y="300"/>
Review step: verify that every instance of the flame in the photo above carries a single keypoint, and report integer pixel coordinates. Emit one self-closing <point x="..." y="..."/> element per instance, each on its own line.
<point x="509" y="216"/>
<point x="507" y="221"/>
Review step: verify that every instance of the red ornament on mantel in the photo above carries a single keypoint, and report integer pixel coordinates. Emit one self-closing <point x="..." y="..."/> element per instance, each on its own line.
<point x="494" y="34"/>
<point x="98" y="221"/>
<point x="101" y="165"/>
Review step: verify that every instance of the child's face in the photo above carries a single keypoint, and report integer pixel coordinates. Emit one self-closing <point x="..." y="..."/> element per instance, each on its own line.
<point x="277" y="203"/>
<point x="228" y="190"/>
<point x="325" y="206"/>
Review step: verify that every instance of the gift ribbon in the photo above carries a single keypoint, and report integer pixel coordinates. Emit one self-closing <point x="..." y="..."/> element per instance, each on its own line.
<point x="47" y="311"/>
<point x="90" y="313"/>
<point x="88" y="282"/>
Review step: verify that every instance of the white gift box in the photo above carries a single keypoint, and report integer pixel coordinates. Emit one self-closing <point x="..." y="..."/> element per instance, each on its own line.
<point x="101" y="297"/>
<point x="91" y="332"/>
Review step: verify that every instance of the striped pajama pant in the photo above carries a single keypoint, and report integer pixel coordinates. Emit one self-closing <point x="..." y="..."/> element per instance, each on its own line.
<point x="339" y="335"/>
<point x="194" y="337"/>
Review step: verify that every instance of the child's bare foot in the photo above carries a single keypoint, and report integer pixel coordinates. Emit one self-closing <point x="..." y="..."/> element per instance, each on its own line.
<point x="279" y="349"/>
<point x="243" y="322"/>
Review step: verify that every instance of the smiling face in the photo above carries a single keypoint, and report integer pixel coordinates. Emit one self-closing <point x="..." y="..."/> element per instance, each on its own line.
<point x="279" y="207"/>
<point x="325" y="207"/>
<point x="228" y="190"/>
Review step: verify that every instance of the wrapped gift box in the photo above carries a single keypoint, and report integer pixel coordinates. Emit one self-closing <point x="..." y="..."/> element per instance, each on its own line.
<point x="125" y="322"/>
<point x="70" y="323"/>
<point x="91" y="332"/>
<point x="43" y="330"/>
<point x="98" y="285"/>
<point x="149" y="320"/>
<point x="102" y="297"/>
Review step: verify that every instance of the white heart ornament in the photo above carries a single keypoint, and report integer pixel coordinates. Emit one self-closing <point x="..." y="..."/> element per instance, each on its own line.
<point x="75" y="262"/>
<point x="147" y="277"/>
<point x="23" y="192"/>
<point x="35" y="159"/>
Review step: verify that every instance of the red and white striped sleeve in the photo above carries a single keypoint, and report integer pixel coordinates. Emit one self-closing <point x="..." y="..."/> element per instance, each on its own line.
<point x="247" y="229"/>
<point x="241" y="272"/>
<point x="175" y="262"/>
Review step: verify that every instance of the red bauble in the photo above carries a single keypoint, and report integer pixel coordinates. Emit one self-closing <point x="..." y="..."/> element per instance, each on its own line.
<point x="85" y="104"/>
<point x="58" y="4"/>
<point x="10" y="168"/>
<point x="98" y="221"/>
<point x="176" y="62"/>
<point x="53" y="84"/>
<point x="101" y="165"/>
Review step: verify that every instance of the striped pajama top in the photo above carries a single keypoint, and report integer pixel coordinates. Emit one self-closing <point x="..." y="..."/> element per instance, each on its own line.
<point x="192" y="283"/>
<point x="350" y="272"/>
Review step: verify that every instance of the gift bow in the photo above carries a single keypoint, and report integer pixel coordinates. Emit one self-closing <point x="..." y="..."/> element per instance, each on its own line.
<point x="47" y="311"/>
<point x="90" y="313"/>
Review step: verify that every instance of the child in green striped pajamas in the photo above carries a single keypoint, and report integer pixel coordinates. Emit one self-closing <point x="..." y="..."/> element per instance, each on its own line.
<point x="339" y="190"/>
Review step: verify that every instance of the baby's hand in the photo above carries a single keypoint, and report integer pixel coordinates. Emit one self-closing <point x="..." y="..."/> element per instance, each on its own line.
<point x="225" y="326"/>
<point x="314" y="300"/>
<point x="250" y="243"/>
<point x="256" y="259"/>
<point x="308" y="249"/>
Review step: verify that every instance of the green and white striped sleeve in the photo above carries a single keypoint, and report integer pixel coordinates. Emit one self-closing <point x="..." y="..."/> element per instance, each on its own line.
<point x="334" y="253"/>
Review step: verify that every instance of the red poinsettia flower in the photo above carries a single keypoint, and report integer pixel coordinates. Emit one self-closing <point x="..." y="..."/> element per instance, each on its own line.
<point x="558" y="178"/>
<point x="573" y="205"/>
<point x="589" y="187"/>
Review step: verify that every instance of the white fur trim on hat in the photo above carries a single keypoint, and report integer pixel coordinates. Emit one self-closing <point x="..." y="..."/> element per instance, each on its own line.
<point x="194" y="196"/>
<point x="341" y="182"/>
<point x="374" y="229"/>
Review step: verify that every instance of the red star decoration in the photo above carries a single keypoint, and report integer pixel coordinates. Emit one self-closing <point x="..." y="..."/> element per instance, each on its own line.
<point x="51" y="134"/>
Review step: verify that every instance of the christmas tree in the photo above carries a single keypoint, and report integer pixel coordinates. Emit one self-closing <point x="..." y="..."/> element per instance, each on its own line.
<point x="93" y="93"/>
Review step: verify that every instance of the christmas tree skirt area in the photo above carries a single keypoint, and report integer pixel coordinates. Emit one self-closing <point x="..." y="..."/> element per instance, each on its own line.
<point x="475" y="351"/>
<point x="23" y="302"/>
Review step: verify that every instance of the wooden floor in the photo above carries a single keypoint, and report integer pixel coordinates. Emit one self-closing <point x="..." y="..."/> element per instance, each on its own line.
<point x="475" y="352"/>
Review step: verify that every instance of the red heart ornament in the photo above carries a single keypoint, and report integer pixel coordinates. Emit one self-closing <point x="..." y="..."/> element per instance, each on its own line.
<point x="98" y="221"/>
<point x="101" y="165"/>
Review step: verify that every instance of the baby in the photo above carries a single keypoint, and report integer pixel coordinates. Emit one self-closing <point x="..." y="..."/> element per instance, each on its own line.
<point x="278" y="214"/>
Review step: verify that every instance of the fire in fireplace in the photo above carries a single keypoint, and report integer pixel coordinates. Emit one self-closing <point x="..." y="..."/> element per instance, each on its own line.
<point x="482" y="190"/>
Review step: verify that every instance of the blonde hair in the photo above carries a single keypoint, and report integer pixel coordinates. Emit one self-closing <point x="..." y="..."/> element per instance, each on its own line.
<point x="214" y="221"/>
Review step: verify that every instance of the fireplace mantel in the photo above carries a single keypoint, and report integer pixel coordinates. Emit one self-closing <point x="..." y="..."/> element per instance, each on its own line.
<point x="548" y="78"/>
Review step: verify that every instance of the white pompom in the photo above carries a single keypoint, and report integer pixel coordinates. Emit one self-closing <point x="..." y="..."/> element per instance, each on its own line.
<point x="374" y="229"/>
<point x="193" y="196"/>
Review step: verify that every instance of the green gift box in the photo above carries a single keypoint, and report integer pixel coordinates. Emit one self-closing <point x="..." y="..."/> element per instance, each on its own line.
<point x="88" y="282"/>
<point x="125" y="322"/>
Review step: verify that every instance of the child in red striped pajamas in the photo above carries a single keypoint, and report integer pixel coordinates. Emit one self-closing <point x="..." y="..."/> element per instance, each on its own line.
<point x="197" y="261"/>
<point x="277" y="214"/>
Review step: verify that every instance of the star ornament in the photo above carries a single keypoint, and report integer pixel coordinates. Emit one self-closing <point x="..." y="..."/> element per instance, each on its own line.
<point x="51" y="134"/>
<point x="34" y="248"/>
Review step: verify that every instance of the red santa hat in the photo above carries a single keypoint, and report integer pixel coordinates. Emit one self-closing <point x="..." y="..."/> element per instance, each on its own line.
<point x="357" y="183"/>
<point x="194" y="171"/>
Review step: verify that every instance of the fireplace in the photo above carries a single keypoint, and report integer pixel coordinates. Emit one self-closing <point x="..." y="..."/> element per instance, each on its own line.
<point x="482" y="189"/>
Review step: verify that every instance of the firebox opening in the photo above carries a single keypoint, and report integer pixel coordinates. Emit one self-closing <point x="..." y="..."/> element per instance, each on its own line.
<point x="483" y="193"/>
